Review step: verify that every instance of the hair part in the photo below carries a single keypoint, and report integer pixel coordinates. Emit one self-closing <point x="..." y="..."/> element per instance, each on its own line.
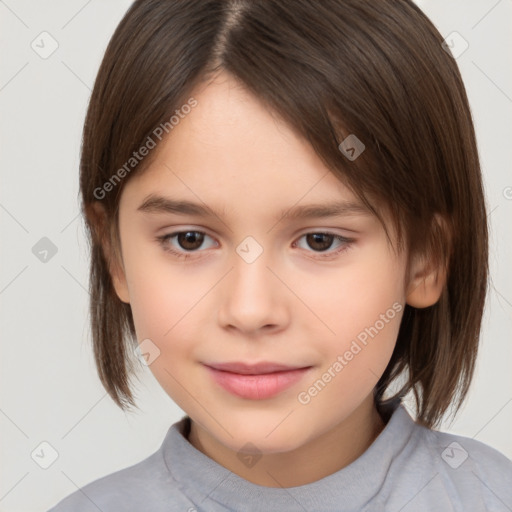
<point x="328" y="68"/>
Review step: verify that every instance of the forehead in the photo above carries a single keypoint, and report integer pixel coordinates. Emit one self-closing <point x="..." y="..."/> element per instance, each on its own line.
<point x="231" y="146"/>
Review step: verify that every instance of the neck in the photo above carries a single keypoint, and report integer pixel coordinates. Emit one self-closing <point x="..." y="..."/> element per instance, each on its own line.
<point x="320" y="457"/>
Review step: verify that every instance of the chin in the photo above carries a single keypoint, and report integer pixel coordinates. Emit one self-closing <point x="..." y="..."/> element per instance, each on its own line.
<point x="266" y="436"/>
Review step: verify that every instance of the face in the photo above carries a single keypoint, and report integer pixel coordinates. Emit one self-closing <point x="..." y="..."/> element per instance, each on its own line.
<point x="315" y="301"/>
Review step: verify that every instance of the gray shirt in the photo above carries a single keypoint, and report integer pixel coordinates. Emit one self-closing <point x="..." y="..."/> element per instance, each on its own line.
<point x="408" y="468"/>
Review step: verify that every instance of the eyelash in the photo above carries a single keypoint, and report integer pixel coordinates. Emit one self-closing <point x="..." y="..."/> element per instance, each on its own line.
<point x="322" y="255"/>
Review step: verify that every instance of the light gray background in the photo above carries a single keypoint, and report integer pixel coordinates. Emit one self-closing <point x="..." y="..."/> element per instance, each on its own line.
<point x="49" y="388"/>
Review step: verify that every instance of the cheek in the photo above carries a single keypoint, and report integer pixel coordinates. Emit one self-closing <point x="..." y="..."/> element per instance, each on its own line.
<point x="160" y="296"/>
<point x="362" y="306"/>
<point x="163" y="303"/>
<point x="354" y="297"/>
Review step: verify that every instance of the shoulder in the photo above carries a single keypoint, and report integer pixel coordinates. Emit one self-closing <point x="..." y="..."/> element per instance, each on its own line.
<point x="462" y="469"/>
<point x="129" y="489"/>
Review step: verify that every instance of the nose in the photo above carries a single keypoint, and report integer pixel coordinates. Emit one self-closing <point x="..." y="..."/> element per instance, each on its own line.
<point x="254" y="299"/>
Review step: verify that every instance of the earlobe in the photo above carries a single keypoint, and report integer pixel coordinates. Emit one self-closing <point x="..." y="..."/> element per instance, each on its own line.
<point x="428" y="275"/>
<point x="119" y="282"/>
<point x="97" y="218"/>
<point x="425" y="288"/>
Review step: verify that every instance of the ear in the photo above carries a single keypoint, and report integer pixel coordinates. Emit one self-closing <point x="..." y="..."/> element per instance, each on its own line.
<point x="427" y="279"/>
<point x="98" y="219"/>
<point x="425" y="288"/>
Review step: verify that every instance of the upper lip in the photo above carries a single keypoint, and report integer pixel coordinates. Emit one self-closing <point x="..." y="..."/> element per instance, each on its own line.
<point x="253" y="368"/>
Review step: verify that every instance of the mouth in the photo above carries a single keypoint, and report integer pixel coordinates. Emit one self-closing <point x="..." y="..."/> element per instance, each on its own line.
<point x="256" y="381"/>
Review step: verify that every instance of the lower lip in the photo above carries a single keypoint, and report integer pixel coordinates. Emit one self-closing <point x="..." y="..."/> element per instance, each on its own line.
<point x="257" y="387"/>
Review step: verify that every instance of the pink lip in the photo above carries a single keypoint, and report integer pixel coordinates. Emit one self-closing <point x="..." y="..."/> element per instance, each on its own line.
<point x="255" y="381"/>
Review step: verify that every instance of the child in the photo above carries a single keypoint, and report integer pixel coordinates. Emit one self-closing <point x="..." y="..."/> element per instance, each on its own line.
<point x="263" y="128"/>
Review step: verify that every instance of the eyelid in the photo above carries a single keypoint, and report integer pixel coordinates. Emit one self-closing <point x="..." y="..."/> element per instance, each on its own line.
<point x="175" y="230"/>
<point x="329" y="254"/>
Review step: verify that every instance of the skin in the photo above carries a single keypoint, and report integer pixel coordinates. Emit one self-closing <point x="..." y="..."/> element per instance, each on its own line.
<point x="290" y="305"/>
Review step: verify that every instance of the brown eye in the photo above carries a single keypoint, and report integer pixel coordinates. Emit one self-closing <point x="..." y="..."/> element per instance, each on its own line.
<point x="190" y="240"/>
<point x="319" y="241"/>
<point x="184" y="244"/>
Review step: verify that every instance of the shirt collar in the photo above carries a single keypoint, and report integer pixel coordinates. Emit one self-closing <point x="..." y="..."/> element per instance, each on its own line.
<point x="203" y="480"/>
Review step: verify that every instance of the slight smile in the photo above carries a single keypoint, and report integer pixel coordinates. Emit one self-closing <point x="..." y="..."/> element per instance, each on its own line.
<point x="256" y="381"/>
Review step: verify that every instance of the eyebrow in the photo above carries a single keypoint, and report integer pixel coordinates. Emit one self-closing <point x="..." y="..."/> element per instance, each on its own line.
<point x="159" y="204"/>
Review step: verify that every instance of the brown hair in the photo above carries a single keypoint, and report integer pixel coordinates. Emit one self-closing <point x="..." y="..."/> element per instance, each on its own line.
<point x="329" y="68"/>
